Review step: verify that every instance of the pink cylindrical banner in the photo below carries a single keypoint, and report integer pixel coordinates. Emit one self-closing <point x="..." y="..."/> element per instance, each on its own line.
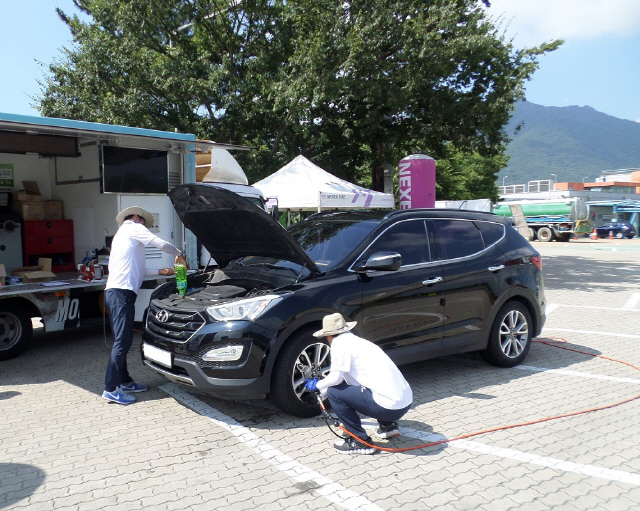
<point x="417" y="182"/>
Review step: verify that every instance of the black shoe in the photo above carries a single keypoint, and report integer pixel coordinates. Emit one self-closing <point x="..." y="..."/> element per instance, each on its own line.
<point x="353" y="446"/>
<point x="388" y="431"/>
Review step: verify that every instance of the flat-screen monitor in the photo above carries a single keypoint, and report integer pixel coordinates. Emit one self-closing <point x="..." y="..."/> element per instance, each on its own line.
<point x="128" y="170"/>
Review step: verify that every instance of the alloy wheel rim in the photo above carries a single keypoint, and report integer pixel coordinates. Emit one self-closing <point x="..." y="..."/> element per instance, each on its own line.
<point x="514" y="334"/>
<point x="314" y="359"/>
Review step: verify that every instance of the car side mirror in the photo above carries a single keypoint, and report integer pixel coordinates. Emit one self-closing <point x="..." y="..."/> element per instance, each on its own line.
<point x="275" y="213"/>
<point x="380" y="261"/>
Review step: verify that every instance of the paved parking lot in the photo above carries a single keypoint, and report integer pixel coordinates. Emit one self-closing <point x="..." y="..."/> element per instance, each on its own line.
<point x="63" y="447"/>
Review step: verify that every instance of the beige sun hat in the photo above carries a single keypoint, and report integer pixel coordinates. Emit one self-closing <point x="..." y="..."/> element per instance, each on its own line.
<point x="135" y="210"/>
<point x="334" y="324"/>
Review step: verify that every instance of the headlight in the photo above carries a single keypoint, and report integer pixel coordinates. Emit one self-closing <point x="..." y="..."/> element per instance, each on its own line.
<point x="250" y="308"/>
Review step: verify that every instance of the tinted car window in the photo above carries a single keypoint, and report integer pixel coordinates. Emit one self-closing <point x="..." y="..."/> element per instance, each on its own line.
<point x="408" y="238"/>
<point x="491" y="233"/>
<point x="457" y="238"/>
<point x="328" y="241"/>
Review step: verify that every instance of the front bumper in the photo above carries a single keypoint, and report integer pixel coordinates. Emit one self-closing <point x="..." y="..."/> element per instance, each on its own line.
<point x="190" y="374"/>
<point x="182" y="360"/>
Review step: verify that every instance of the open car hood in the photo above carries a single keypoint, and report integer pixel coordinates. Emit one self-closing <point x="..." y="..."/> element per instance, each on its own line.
<point x="229" y="226"/>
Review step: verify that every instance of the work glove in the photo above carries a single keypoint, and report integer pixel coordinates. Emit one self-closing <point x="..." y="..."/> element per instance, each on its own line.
<point x="312" y="385"/>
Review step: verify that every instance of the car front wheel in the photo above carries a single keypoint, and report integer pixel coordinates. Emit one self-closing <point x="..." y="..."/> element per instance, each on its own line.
<point x="510" y="337"/>
<point x="302" y="358"/>
<point x="619" y="235"/>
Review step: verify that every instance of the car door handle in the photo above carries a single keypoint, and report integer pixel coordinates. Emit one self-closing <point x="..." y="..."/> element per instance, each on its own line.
<point x="430" y="282"/>
<point x="496" y="268"/>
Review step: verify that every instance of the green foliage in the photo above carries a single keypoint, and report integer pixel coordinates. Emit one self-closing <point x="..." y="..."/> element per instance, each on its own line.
<point x="352" y="85"/>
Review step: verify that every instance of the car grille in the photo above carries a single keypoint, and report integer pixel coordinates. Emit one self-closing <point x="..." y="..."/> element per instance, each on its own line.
<point x="172" y="324"/>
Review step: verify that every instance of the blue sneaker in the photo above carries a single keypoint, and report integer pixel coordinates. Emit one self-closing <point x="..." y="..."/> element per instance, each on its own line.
<point x="117" y="396"/>
<point x="133" y="387"/>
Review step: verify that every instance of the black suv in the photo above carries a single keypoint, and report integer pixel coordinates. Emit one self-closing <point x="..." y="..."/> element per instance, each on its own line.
<point x="420" y="283"/>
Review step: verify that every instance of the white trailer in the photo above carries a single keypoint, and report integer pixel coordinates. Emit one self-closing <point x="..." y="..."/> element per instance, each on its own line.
<point x="95" y="170"/>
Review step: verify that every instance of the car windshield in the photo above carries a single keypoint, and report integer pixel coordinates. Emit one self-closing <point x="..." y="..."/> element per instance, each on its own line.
<point x="328" y="240"/>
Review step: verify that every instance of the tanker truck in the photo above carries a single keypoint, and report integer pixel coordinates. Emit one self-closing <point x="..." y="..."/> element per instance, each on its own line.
<point x="549" y="219"/>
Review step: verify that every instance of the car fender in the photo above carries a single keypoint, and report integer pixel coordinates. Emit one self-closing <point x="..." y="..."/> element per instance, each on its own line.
<point x="307" y="320"/>
<point x="526" y="298"/>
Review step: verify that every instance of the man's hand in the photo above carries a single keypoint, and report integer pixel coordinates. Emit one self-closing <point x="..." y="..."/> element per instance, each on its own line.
<point x="312" y="385"/>
<point x="166" y="271"/>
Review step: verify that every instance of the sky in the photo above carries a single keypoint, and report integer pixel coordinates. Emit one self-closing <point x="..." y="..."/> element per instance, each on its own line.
<point x="597" y="66"/>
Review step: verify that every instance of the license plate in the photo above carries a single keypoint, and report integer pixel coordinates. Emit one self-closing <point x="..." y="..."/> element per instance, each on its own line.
<point x="157" y="355"/>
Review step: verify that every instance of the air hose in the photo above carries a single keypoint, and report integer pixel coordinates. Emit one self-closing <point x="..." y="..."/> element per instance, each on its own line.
<point x="553" y="342"/>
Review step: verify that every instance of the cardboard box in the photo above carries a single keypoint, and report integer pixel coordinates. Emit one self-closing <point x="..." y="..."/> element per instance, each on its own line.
<point x="31" y="274"/>
<point x="31" y="192"/>
<point x="52" y="209"/>
<point x="29" y="210"/>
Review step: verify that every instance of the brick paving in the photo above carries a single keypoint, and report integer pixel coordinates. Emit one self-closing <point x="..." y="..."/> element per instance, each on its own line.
<point x="62" y="447"/>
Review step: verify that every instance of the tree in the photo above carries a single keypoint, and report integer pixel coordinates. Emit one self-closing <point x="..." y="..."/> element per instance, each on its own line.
<point x="351" y="84"/>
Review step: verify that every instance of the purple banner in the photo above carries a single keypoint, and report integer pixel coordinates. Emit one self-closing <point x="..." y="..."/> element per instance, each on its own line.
<point x="417" y="182"/>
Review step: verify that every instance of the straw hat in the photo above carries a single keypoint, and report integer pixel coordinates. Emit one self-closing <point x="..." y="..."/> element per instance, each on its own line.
<point x="135" y="210"/>
<point x="334" y="324"/>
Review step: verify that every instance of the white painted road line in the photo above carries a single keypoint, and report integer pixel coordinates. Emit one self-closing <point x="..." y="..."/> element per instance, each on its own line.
<point x="629" y="306"/>
<point x="526" y="457"/>
<point x="333" y="491"/>
<point x="566" y="372"/>
<point x="632" y="302"/>
<point x="591" y="332"/>
<point x="350" y="500"/>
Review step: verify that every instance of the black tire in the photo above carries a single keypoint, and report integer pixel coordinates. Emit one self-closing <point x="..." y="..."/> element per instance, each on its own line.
<point x="545" y="234"/>
<point x="510" y="337"/>
<point x="15" y="330"/>
<point x="303" y="356"/>
<point x="619" y="235"/>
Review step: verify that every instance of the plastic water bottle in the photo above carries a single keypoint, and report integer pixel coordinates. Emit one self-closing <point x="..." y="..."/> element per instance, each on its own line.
<point x="181" y="278"/>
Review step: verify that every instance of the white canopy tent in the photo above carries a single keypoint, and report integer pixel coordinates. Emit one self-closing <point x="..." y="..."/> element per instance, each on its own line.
<point x="303" y="186"/>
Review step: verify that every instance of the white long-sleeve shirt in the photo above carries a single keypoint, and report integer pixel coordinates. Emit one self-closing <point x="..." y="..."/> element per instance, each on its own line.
<point x="360" y="362"/>
<point x="127" y="260"/>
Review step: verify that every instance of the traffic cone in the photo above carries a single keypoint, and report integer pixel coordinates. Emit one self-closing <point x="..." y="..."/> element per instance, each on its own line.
<point x="610" y="235"/>
<point x="594" y="235"/>
<point x="575" y="236"/>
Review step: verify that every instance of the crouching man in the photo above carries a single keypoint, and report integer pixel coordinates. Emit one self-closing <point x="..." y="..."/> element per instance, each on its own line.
<point x="362" y="379"/>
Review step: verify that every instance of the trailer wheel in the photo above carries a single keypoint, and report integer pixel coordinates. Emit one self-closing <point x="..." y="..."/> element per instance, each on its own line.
<point x="545" y="234"/>
<point x="532" y="234"/>
<point x="15" y="331"/>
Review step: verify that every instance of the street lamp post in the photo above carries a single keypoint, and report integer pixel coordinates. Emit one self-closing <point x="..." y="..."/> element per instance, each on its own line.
<point x="555" y="178"/>
<point x="505" y="177"/>
<point x="584" y="179"/>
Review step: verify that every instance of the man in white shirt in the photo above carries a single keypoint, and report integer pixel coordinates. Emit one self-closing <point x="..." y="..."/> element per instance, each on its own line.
<point x="126" y="273"/>
<point x="362" y="379"/>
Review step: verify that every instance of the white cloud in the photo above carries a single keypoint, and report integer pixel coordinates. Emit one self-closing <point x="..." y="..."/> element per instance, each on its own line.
<point x="532" y="22"/>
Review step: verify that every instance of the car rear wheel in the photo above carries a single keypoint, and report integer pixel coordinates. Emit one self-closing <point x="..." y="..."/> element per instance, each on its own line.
<point x="545" y="234"/>
<point x="510" y="337"/>
<point x="15" y="331"/>
<point x="304" y="357"/>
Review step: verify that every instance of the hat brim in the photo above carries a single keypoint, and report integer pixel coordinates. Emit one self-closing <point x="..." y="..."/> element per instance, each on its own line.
<point x="324" y="333"/>
<point x="135" y="210"/>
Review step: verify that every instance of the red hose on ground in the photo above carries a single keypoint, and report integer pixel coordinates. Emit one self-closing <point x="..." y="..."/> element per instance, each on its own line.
<point x="548" y="342"/>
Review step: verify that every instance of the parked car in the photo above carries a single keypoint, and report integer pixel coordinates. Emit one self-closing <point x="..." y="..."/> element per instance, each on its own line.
<point x="617" y="229"/>
<point x="420" y="283"/>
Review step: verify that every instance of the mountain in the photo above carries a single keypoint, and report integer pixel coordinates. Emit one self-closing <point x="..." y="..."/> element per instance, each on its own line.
<point x="572" y="142"/>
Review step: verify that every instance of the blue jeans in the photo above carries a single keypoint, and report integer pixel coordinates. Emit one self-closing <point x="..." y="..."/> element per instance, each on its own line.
<point x="121" y="304"/>
<point x="348" y="400"/>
